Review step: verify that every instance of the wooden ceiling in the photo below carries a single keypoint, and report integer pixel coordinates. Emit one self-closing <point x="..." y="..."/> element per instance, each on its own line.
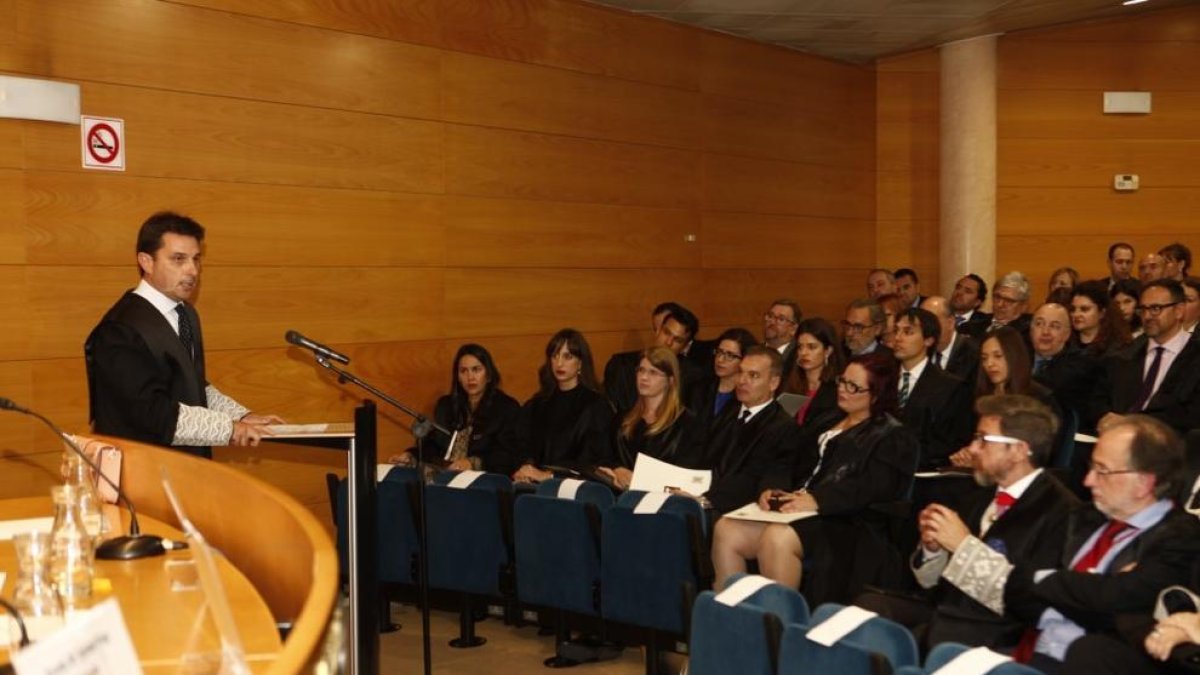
<point x="860" y="31"/>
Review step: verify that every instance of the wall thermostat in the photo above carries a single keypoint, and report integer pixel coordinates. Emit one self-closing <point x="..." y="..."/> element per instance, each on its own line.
<point x="1125" y="182"/>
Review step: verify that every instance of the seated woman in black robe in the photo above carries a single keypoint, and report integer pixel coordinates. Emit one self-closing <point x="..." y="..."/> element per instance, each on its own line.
<point x="480" y="416"/>
<point x="865" y="458"/>
<point x="567" y="424"/>
<point x="658" y="425"/>
<point x="716" y="391"/>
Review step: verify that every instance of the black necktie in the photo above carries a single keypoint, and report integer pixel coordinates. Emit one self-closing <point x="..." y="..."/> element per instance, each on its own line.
<point x="187" y="334"/>
<point x="937" y="359"/>
<point x="745" y="417"/>
<point x="1148" y="383"/>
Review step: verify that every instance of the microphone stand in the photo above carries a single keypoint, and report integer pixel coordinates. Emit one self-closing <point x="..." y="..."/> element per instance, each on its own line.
<point x="421" y="427"/>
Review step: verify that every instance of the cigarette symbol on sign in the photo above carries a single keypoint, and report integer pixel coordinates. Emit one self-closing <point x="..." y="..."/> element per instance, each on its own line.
<point x="102" y="143"/>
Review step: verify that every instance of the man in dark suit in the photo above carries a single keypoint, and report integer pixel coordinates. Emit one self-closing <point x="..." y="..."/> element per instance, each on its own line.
<point x="908" y="287"/>
<point x="1065" y="370"/>
<point x="956" y="353"/>
<point x="1160" y="376"/>
<point x="145" y="359"/>
<point x="779" y="331"/>
<point x="1120" y="263"/>
<point x="675" y="332"/>
<point x="970" y="292"/>
<point x="1023" y="518"/>
<point x="1010" y="304"/>
<point x="751" y="438"/>
<point x="863" y="327"/>
<point x="1118" y="555"/>
<point x="935" y="405"/>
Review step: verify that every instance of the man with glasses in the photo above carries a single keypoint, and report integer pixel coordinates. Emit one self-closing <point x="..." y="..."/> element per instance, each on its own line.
<point x="1010" y="302"/>
<point x="1021" y="516"/>
<point x="1160" y="377"/>
<point x="779" y="331"/>
<point x="1177" y="261"/>
<point x="863" y="326"/>
<point x="675" y="332"/>
<point x="1117" y="556"/>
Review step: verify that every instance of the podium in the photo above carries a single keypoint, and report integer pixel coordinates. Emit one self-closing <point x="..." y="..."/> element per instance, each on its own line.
<point x="360" y="441"/>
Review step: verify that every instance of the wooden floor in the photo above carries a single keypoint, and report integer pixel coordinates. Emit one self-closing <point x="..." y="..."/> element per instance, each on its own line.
<point x="508" y="649"/>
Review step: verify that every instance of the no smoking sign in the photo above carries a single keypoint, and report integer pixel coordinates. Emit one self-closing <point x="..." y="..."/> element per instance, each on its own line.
<point x="103" y="143"/>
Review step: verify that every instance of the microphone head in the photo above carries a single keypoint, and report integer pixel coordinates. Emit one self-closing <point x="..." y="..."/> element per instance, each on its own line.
<point x="293" y="337"/>
<point x="9" y="404"/>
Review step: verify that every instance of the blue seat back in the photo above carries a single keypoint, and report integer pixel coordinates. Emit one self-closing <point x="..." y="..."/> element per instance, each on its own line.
<point x="878" y="634"/>
<point x="800" y="656"/>
<point x="649" y="568"/>
<point x="396" y="526"/>
<point x="945" y="652"/>
<point x="468" y="533"/>
<point x="557" y="546"/>
<point x="743" y="638"/>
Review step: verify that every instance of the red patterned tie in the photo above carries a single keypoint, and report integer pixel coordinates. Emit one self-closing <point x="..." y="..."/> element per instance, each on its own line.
<point x="1104" y="543"/>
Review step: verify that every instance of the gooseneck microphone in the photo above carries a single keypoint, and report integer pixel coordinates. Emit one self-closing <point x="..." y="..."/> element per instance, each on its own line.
<point x="316" y="347"/>
<point x="130" y="547"/>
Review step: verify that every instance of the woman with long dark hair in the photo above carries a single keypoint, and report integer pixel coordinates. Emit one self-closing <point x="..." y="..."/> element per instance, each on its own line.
<point x="866" y="457"/>
<point x="819" y="361"/>
<point x="1099" y="327"/>
<point x="566" y="424"/>
<point x="481" y="417"/>
<point x="1125" y="294"/>
<point x="658" y="425"/>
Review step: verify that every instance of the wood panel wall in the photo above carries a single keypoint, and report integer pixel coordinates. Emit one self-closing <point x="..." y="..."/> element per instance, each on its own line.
<point x="399" y="177"/>
<point x="1058" y="152"/>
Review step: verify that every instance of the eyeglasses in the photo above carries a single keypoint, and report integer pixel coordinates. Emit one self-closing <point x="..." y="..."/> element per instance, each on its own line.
<point x="1154" y="310"/>
<point x="994" y="438"/>
<point x="851" y="387"/>
<point x="1104" y="473"/>
<point x="726" y="356"/>
<point x="777" y="318"/>
<point x="857" y="327"/>
<point x="1004" y="300"/>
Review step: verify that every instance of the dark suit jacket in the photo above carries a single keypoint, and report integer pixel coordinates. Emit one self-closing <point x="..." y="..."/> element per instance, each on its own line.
<point x="1164" y="555"/>
<point x="1031" y="531"/>
<point x="971" y="326"/>
<point x="1177" y="401"/>
<point x="139" y="372"/>
<point x="681" y="444"/>
<point x="1071" y="375"/>
<point x="964" y="358"/>
<point x="620" y="379"/>
<point x="741" y="454"/>
<point x="939" y="413"/>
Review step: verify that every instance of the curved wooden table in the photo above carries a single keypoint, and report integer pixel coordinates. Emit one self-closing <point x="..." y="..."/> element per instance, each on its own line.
<point x="277" y="557"/>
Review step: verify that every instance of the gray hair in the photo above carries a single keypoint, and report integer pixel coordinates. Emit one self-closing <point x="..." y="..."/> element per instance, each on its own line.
<point x="1016" y="282"/>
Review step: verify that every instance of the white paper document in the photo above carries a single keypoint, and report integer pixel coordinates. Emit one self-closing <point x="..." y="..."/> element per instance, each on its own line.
<point x="655" y="475"/>
<point x="336" y="429"/>
<point x="751" y="511"/>
<point x="95" y="643"/>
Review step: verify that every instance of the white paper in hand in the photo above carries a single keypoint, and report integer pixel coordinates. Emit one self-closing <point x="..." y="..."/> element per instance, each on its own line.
<point x="655" y="475"/>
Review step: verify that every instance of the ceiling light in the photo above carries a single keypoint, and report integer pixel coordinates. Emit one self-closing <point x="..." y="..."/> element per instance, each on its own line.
<point x="1133" y="2"/>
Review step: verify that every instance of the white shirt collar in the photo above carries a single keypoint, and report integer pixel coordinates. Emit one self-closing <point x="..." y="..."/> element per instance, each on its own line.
<point x="1018" y="488"/>
<point x="754" y="410"/>
<point x="165" y="305"/>
<point x="913" y="375"/>
<point x="1175" y="345"/>
<point x="966" y="316"/>
<point x="782" y="349"/>
<point x="948" y="350"/>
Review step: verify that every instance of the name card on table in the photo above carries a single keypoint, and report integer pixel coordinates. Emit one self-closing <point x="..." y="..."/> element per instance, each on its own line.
<point x="95" y="642"/>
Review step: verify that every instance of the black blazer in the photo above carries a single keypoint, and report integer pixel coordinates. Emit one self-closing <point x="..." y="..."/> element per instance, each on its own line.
<point x="494" y="434"/>
<point x="1071" y="375"/>
<point x="971" y="327"/>
<point x="740" y="455"/>
<point x="1031" y="531"/>
<point x="681" y="444"/>
<point x="139" y="372"/>
<point x="870" y="463"/>
<point x="620" y="379"/>
<point x="704" y="399"/>
<point x="939" y="413"/>
<point x="980" y="329"/>
<point x="1177" y="401"/>
<point x="571" y="429"/>
<point x="964" y="358"/>
<point x="1165" y="555"/>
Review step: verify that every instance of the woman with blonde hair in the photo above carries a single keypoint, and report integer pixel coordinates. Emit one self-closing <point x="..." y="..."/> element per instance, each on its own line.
<point x="658" y="425"/>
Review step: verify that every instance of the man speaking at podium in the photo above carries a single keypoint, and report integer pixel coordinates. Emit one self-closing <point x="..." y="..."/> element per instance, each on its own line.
<point x="145" y="359"/>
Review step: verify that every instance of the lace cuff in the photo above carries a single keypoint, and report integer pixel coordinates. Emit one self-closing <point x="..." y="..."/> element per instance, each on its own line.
<point x="218" y="402"/>
<point x="200" y="426"/>
<point x="980" y="572"/>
